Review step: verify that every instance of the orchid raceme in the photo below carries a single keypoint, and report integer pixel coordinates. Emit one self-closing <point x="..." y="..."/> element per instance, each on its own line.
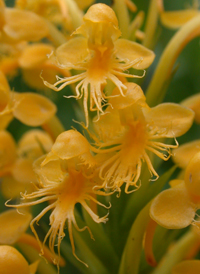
<point x="132" y="131"/>
<point x="101" y="58"/>
<point x="66" y="178"/>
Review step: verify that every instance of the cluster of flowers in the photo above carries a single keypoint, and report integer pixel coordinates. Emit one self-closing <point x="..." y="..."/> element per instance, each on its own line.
<point x="128" y="132"/>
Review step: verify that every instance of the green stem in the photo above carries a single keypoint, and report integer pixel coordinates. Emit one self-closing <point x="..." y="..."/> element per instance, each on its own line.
<point x="157" y="88"/>
<point x="177" y="253"/>
<point x="132" y="251"/>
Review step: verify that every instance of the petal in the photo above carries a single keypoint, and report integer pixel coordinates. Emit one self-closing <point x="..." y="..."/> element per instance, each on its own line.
<point x="23" y="171"/>
<point x="192" y="178"/>
<point x="5" y="119"/>
<point x="33" y="109"/>
<point x="10" y="188"/>
<point x="183" y="154"/>
<point x="128" y="51"/>
<point x="33" y="79"/>
<point x="172" y="208"/>
<point x="13" y="225"/>
<point x="72" y="53"/>
<point x="12" y="261"/>
<point x="132" y="95"/>
<point x="7" y="152"/>
<point x="24" y="25"/>
<point x="176" y="19"/>
<point x="172" y="118"/>
<point x="193" y="102"/>
<point x="34" y="139"/>
<point x="108" y="126"/>
<point x="4" y="92"/>
<point x="187" y="267"/>
<point x="34" y="55"/>
<point x="70" y="144"/>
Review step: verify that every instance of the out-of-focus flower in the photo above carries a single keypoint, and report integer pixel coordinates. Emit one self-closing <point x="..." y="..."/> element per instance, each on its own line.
<point x="8" y="153"/>
<point x="30" y="108"/>
<point x="60" y="12"/>
<point x="101" y="56"/>
<point x="12" y="261"/>
<point x="18" y="25"/>
<point x="131" y="130"/>
<point x="175" y="208"/>
<point x="65" y="179"/>
<point x="193" y="102"/>
<point x="176" y="19"/>
<point x="21" y="177"/>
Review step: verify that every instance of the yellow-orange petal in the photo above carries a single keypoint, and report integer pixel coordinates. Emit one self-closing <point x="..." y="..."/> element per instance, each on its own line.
<point x="13" y="225"/>
<point x="22" y="171"/>
<point x="192" y="178"/>
<point x="176" y="19"/>
<point x="70" y="144"/>
<point x="5" y="119"/>
<point x="2" y="14"/>
<point x="10" y="188"/>
<point x="24" y="25"/>
<point x="33" y="109"/>
<point x="129" y="51"/>
<point x="174" y="119"/>
<point x="34" y="139"/>
<point x="100" y="13"/>
<point x="193" y="102"/>
<point x="133" y="94"/>
<point x="48" y="168"/>
<point x="11" y="261"/>
<point x="187" y="267"/>
<point x="7" y="152"/>
<point x="34" y="55"/>
<point x="184" y="153"/>
<point x="32" y="76"/>
<point x="172" y="208"/>
<point x="4" y="92"/>
<point x="108" y="125"/>
<point x="72" y="53"/>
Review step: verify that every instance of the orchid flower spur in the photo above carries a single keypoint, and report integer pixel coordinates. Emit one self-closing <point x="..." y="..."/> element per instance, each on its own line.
<point x="175" y="208"/>
<point x="66" y="177"/>
<point x="131" y="130"/>
<point x="101" y="56"/>
<point x="30" y="108"/>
